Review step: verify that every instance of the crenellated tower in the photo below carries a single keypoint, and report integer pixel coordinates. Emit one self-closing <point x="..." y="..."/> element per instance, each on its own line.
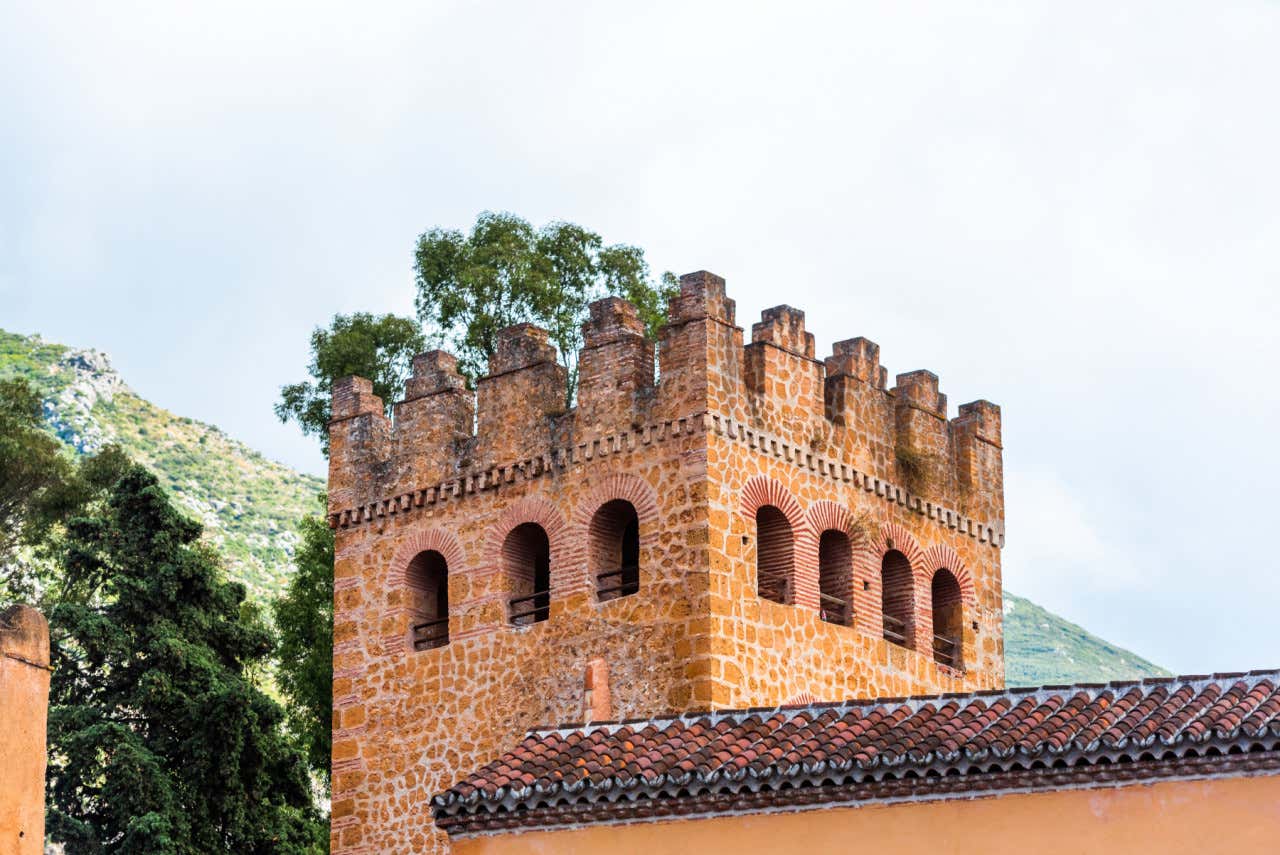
<point x="741" y="524"/>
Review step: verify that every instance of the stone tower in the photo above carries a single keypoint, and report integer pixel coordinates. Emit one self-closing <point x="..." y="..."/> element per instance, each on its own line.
<point x="756" y="528"/>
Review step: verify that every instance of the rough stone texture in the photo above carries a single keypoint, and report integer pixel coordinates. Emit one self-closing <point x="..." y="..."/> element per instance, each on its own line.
<point x="24" y="710"/>
<point x="726" y="430"/>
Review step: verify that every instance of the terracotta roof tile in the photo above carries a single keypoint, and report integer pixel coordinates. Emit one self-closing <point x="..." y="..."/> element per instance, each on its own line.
<point x="953" y="743"/>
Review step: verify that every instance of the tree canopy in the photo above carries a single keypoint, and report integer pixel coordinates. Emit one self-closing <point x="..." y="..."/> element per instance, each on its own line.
<point x="470" y="286"/>
<point x="41" y="486"/>
<point x="304" y="617"/>
<point x="379" y="348"/>
<point x="159" y="740"/>
<point x="32" y="465"/>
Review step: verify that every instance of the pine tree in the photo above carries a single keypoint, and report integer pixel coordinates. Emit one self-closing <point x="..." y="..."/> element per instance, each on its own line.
<point x="159" y="740"/>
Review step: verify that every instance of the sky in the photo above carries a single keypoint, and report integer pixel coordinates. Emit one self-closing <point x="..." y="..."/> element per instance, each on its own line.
<point x="1067" y="208"/>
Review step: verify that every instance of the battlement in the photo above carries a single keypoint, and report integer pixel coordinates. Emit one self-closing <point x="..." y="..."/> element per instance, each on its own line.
<point x="783" y="326"/>
<point x="434" y="372"/>
<point x="701" y="297"/>
<point x="839" y="407"/>
<point x="615" y="368"/>
<point x="919" y="390"/>
<point x="521" y="346"/>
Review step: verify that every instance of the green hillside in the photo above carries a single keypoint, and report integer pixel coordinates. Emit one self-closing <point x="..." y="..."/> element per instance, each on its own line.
<point x="1042" y="648"/>
<point x="249" y="504"/>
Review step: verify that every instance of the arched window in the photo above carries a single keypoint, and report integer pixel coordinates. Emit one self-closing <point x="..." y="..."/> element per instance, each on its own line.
<point x="614" y="549"/>
<point x="428" y="580"/>
<point x="526" y="561"/>
<point x="774" y="555"/>
<point x="835" y="577"/>
<point x="896" y="597"/>
<point x="948" y="619"/>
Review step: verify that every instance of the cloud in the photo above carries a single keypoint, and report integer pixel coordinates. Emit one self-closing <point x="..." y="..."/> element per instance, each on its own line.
<point x="1055" y="542"/>
<point x="1065" y="208"/>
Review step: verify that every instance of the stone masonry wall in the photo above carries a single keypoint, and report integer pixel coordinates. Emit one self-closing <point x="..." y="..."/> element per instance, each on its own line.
<point x="831" y="448"/>
<point x="729" y="428"/>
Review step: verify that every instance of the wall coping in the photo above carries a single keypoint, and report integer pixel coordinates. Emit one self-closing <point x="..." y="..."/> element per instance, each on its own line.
<point x="622" y="442"/>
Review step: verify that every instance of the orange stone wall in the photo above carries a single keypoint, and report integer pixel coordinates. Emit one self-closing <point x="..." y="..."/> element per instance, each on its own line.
<point x="821" y="441"/>
<point x="726" y="429"/>
<point x="24" y="711"/>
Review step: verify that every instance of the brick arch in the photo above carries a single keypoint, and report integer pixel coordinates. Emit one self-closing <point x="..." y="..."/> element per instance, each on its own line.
<point x="868" y="561"/>
<point x="441" y="540"/>
<point x="837" y="580"/>
<point x="761" y="490"/>
<point x="903" y="541"/>
<point x="942" y="555"/>
<point x="619" y="486"/>
<point x="868" y="555"/>
<point x="565" y="552"/>
<point x="396" y="606"/>
<point x="529" y="509"/>
<point x="824" y="515"/>
<point x="805" y="697"/>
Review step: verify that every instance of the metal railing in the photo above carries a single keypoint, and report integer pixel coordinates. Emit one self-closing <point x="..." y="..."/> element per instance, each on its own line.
<point x="541" y="608"/>
<point x="432" y="633"/>
<point x="835" y="610"/>
<point x="895" y="630"/>
<point x="947" y="651"/>
<point x="629" y="584"/>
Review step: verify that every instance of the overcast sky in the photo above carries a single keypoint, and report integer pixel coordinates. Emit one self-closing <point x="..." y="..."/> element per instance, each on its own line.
<point x="1069" y="209"/>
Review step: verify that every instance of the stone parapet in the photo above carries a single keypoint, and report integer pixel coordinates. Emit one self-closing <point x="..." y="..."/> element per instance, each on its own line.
<point x="615" y="368"/>
<point x="839" y="407"/>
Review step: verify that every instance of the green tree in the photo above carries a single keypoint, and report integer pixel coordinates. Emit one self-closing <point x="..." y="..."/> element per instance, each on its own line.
<point x="304" y="616"/>
<point x="159" y="743"/>
<point x="40" y="487"/>
<point x="506" y="272"/>
<point x="32" y="465"/>
<point x="37" y="576"/>
<point x="379" y="348"/>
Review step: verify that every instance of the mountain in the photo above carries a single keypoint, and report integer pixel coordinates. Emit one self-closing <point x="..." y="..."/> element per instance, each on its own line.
<point x="1042" y="649"/>
<point x="249" y="504"/>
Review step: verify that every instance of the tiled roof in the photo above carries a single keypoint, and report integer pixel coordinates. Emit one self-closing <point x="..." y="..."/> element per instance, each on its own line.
<point x="891" y="748"/>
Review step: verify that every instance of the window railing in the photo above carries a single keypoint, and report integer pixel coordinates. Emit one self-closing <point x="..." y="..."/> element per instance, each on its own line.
<point x="629" y="583"/>
<point x="540" y="611"/>
<point x="835" y="610"/>
<point x="432" y="633"/>
<point x="947" y="651"/>
<point x="895" y="630"/>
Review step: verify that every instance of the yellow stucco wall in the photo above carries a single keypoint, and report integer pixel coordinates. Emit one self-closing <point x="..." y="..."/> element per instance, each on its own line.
<point x="1227" y="815"/>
